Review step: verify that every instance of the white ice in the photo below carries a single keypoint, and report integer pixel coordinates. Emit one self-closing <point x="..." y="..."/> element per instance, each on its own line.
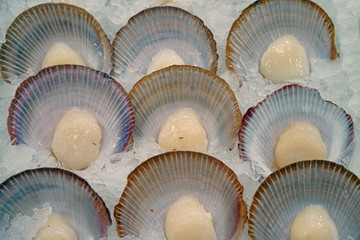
<point x="338" y="81"/>
<point x="25" y="227"/>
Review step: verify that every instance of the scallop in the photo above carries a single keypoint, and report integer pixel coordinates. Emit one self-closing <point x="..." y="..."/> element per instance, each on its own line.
<point x="264" y="21"/>
<point x="262" y="125"/>
<point x="288" y="191"/>
<point x="163" y="28"/>
<point x="42" y="100"/>
<point x="67" y="194"/>
<point x="161" y="180"/>
<point x="160" y="94"/>
<point x="35" y="31"/>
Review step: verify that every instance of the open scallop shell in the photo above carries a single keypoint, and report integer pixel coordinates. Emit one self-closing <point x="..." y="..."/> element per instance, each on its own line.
<point x="34" y="31"/>
<point x="158" y="28"/>
<point x="158" y="95"/>
<point x="68" y="195"/>
<point x="288" y="191"/>
<point x="261" y="125"/>
<point x="264" y="21"/>
<point x="42" y="100"/>
<point x="156" y="183"/>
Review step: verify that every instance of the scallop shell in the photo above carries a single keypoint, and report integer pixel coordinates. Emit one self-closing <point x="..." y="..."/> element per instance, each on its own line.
<point x="261" y="125"/>
<point x="289" y="190"/>
<point x="264" y="21"/>
<point x="42" y="100"/>
<point x="33" y="32"/>
<point x="67" y="194"/>
<point x="158" y="28"/>
<point x="158" y="95"/>
<point x="156" y="183"/>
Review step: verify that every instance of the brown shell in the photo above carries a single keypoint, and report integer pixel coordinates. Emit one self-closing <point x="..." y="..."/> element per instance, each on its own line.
<point x="240" y="38"/>
<point x="33" y="32"/>
<point x="156" y="183"/>
<point x="285" y="192"/>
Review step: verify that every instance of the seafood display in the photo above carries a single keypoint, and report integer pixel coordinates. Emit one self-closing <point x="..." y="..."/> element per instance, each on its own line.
<point x="68" y="195"/>
<point x="161" y="180"/>
<point x="263" y="124"/>
<point x="132" y="112"/>
<point x="263" y="22"/>
<point x="163" y="36"/>
<point x="52" y="34"/>
<point x="287" y="192"/>
<point x="41" y="102"/>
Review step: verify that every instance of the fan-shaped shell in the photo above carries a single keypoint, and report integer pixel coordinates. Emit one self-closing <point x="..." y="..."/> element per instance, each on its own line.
<point x="158" y="95"/>
<point x="156" y="183"/>
<point x="264" y="21"/>
<point x="33" y="33"/>
<point x="262" y="125"/>
<point x="289" y="190"/>
<point x="42" y="100"/>
<point x="158" y="28"/>
<point x="67" y="194"/>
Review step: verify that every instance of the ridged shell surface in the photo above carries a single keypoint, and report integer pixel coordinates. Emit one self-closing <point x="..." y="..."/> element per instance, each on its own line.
<point x="42" y="100"/>
<point x="262" y="125"/>
<point x="156" y="183"/>
<point x="33" y="33"/>
<point x="264" y="21"/>
<point x="67" y="194"/>
<point x="158" y="28"/>
<point x="158" y="95"/>
<point x="288" y="191"/>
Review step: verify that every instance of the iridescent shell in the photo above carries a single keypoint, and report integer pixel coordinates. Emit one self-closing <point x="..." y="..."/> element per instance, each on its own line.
<point x="33" y="33"/>
<point x="289" y="190"/>
<point x="42" y="100"/>
<point x="158" y="95"/>
<point x="158" y="28"/>
<point x="262" y="125"/>
<point x="156" y="183"/>
<point x="264" y="21"/>
<point x="68" y="195"/>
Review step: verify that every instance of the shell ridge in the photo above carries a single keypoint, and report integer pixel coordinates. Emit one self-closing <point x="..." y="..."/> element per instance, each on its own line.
<point x="23" y="113"/>
<point x="138" y="209"/>
<point x="121" y="209"/>
<point x="344" y="200"/>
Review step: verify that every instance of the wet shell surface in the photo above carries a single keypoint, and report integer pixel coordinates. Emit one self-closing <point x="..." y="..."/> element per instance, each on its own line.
<point x="158" y="28"/>
<point x="42" y="100"/>
<point x="33" y="33"/>
<point x="264" y="21"/>
<point x="288" y="191"/>
<point x="156" y="183"/>
<point x="67" y="194"/>
<point x="160" y="94"/>
<point x="262" y="125"/>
